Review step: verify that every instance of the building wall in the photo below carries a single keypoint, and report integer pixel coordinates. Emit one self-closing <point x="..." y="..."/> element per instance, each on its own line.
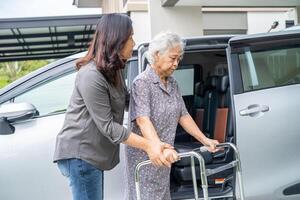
<point x="150" y="18"/>
<point x="112" y="6"/>
<point x="88" y="3"/>
<point x="260" y="22"/>
<point x="224" y="23"/>
<point x="141" y="26"/>
<point x="186" y="21"/>
<point x="297" y="13"/>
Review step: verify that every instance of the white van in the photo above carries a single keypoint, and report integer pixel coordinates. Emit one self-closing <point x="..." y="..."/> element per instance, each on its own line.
<point x="241" y="89"/>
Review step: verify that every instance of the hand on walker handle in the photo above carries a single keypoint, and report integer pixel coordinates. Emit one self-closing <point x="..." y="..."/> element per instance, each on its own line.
<point x="155" y="153"/>
<point x="171" y="155"/>
<point x="211" y="145"/>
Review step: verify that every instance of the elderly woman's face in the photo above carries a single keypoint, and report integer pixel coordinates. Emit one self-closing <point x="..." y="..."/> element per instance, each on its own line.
<point x="167" y="63"/>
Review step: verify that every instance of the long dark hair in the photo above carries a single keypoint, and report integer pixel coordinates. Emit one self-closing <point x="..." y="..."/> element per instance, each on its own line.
<point x="112" y="32"/>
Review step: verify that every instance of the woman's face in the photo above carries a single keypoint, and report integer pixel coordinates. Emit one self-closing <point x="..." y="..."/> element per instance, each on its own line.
<point x="126" y="52"/>
<point x="167" y="63"/>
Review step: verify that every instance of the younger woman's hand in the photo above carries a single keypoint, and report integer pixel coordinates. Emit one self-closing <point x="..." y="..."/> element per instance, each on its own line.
<point x="155" y="153"/>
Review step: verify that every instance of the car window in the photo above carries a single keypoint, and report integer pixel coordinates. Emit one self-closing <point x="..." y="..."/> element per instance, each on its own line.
<point x="52" y="96"/>
<point x="270" y="68"/>
<point x="185" y="78"/>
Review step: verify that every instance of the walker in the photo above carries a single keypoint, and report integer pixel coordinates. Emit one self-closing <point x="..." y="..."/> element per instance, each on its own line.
<point x="203" y="171"/>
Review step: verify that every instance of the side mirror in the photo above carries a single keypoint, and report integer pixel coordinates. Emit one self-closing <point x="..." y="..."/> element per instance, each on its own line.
<point x="13" y="112"/>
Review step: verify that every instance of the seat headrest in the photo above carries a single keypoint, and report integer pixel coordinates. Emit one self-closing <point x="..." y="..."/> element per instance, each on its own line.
<point x="223" y="83"/>
<point x="199" y="89"/>
<point x="211" y="82"/>
<point x="221" y="69"/>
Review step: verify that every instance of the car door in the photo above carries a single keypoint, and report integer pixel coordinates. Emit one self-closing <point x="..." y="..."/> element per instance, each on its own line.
<point x="265" y="84"/>
<point x="27" y="170"/>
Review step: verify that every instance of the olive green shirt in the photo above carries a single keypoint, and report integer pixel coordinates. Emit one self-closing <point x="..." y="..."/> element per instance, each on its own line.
<point x="93" y="128"/>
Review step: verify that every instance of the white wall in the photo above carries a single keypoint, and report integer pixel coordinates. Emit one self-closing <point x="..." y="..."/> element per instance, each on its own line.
<point x="297" y="14"/>
<point x="141" y="27"/>
<point x="186" y="21"/>
<point x="224" y="22"/>
<point x="260" y="22"/>
<point x="190" y="21"/>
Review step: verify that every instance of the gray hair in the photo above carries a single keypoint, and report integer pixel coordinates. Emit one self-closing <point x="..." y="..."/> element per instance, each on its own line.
<point x="162" y="43"/>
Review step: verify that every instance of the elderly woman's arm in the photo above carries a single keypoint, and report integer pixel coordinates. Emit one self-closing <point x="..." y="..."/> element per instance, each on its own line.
<point x="148" y="131"/>
<point x="147" y="128"/>
<point x="189" y="125"/>
<point x="153" y="149"/>
<point x="141" y="112"/>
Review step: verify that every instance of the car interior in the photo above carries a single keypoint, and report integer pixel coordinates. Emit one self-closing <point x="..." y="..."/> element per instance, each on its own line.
<point x="207" y="98"/>
<point x="203" y="79"/>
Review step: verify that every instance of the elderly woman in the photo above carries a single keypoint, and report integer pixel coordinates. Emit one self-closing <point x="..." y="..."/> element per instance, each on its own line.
<point x="156" y="109"/>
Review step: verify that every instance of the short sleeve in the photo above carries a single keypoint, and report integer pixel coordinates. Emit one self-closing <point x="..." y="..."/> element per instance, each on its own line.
<point x="183" y="110"/>
<point x="140" y="99"/>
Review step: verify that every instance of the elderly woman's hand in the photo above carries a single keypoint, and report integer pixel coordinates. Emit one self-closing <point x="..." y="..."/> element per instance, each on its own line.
<point x="211" y="144"/>
<point x="171" y="155"/>
<point x="155" y="153"/>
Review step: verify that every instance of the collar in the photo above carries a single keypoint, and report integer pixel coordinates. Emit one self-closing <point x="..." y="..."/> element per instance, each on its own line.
<point x="154" y="76"/>
<point x="156" y="80"/>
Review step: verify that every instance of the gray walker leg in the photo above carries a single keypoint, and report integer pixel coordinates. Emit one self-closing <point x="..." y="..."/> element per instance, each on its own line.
<point x="191" y="154"/>
<point x="203" y="171"/>
<point x="236" y="163"/>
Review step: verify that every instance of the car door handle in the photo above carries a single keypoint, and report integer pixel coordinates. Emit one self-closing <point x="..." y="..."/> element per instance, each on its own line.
<point x="254" y="109"/>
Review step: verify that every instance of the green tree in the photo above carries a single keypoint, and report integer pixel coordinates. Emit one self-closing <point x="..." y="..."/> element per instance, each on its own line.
<point x="11" y="71"/>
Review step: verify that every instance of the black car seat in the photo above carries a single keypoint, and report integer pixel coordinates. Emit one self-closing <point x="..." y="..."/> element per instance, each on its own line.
<point x="223" y="131"/>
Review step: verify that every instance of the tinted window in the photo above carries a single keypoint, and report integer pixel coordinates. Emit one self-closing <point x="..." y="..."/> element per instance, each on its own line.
<point x="132" y="72"/>
<point x="50" y="97"/>
<point x="272" y="68"/>
<point x="185" y="78"/>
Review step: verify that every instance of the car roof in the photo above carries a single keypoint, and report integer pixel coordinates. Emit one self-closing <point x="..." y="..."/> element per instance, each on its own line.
<point x="201" y="40"/>
<point x="296" y="27"/>
<point x="211" y="39"/>
<point x="262" y="36"/>
<point x="78" y="55"/>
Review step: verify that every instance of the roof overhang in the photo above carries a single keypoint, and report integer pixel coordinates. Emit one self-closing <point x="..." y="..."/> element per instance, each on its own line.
<point x="88" y="3"/>
<point x="45" y="37"/>
<point x="231" y="3"/>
